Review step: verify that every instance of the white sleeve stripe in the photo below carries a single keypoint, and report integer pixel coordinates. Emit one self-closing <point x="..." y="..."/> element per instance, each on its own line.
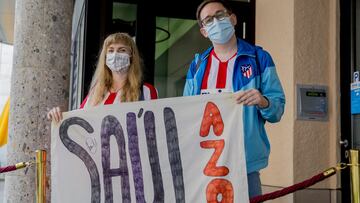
<point x="147" y="93"/>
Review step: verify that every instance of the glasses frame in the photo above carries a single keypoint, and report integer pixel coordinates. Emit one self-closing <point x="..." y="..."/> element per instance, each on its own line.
<point x="219" y="15"/>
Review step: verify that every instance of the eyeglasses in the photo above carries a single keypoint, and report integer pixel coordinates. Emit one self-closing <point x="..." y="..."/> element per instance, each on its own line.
<point x="219" y="15"/>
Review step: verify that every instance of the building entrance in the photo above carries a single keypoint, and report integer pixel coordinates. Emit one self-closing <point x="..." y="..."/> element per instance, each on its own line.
<point x="167" y="38"/>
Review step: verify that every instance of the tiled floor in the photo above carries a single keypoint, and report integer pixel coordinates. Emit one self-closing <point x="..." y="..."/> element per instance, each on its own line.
<point x="2" y="183"/>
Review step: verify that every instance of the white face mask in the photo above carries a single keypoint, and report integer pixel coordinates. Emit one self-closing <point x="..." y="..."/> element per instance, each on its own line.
<point x="118" y="62"/>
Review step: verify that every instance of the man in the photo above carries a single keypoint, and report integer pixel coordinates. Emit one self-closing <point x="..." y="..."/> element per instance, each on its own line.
<point x="233" y="65"/>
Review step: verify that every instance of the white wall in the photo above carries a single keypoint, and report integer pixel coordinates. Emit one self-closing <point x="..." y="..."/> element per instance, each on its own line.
<point x="275" y="33"/>
<point x="6" y="53"/>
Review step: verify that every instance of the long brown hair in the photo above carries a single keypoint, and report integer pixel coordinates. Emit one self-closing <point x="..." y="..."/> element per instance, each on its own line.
<point x="102" y="80"/>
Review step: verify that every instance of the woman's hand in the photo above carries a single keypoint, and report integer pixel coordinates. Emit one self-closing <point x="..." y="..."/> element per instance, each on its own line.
<point x="55" y="114"/>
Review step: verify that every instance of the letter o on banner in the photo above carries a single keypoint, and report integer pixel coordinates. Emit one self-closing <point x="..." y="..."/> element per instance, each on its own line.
<point x="217" y="187"/>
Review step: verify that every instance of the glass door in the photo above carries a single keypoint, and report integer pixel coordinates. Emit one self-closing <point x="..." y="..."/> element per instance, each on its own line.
<point x="349" y="62"/>
<point x="355" y="139"/>
<point x="177" y="40"/>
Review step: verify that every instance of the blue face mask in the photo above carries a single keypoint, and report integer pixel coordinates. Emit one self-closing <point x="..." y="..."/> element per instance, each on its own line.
<point x="220" y="31"/>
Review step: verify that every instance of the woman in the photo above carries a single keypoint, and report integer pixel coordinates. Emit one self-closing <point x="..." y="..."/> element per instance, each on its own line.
<point x="118" y="76"/>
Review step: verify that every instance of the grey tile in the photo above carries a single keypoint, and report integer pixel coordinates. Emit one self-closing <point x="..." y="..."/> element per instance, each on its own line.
<point x="312" y="196"/>
<point x="285" y="199"/>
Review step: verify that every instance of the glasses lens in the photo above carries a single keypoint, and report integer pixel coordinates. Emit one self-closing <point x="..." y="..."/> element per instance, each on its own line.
<point x="208" y="21"/>
<point x="221" y="15"/>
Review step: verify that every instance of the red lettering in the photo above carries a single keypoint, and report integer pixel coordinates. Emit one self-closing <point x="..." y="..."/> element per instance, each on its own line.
<point x="211" y="117"/>
<point x="218" y="190"/>
<point x="211" y="169"/>
<point x="217" y="187"/>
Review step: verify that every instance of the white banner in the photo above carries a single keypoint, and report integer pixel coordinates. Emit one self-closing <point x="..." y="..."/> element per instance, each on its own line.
<point x="184" y="149"/>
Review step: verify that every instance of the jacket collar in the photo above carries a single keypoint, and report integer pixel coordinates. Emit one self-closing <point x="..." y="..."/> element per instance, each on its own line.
<point x="244" y="48"/>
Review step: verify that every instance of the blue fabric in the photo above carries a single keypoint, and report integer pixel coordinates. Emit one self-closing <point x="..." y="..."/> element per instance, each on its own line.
<point x="220" y="31"/>
<point x="254" y="184"/>
<point x="265" y="79"/>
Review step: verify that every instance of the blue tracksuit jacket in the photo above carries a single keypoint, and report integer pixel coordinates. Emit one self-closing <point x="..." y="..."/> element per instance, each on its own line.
<point x="265" y="79"/>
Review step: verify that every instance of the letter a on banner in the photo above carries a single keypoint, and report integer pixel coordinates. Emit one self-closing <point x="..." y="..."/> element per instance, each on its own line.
<point x="212" y="117"/>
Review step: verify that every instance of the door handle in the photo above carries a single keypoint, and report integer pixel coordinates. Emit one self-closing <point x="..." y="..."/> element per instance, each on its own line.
<point x="344" y="143"/>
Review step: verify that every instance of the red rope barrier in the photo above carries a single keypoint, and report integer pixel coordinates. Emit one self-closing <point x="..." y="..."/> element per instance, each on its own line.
<point x="7" y="169"/>
<point x="14" y="167"/>
<point x="307" y="183"/>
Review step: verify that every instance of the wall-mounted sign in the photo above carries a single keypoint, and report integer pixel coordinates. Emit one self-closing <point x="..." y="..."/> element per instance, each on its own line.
<point x="312" y="102"/>
<point x="356" y="76"/>
<point x="355" y="98"/>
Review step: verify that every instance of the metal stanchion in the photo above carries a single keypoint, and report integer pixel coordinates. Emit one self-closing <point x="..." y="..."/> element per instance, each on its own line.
<point x="354" y="175"/>
<point x="40" y="176"/>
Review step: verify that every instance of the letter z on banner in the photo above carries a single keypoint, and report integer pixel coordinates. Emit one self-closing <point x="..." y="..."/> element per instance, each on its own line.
<point x="184" y="149"/>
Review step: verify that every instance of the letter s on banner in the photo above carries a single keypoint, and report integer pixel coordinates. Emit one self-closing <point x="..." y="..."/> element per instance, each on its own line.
<point x="80" y="152"/>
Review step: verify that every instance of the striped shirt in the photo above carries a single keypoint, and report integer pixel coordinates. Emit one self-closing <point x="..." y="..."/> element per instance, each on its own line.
<point x="218" y="75"/>
<point x="149" y="93"/>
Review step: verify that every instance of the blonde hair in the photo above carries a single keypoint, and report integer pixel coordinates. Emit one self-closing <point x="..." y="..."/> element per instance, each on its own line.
<point x="102" y="80"/>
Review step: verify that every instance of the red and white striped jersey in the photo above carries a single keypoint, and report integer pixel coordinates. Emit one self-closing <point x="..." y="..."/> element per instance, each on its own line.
<point x="218" y="75"/>
<point x="149" y="93"/>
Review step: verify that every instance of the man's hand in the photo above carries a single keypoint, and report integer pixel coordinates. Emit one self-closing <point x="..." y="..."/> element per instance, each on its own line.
<point x="251" y="97"/>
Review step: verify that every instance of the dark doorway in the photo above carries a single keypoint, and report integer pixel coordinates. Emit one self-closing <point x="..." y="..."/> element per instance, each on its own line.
<point x="147" y="27"/>
<point x="350" y="124"/>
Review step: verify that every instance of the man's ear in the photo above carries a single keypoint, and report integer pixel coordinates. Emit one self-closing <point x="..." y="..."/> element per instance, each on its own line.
<point x="203" y="32"/>
<point x="233" y="19"/>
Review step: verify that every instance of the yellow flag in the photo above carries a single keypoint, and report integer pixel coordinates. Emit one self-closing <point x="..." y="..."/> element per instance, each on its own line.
<point x="4" y="120"/>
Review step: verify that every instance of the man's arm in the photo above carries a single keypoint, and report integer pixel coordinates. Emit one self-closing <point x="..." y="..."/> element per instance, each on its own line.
<point x="271" y="88"/>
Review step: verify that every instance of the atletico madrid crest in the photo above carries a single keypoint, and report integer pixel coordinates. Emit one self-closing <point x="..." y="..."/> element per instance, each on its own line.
<point x="246" y="70"/>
